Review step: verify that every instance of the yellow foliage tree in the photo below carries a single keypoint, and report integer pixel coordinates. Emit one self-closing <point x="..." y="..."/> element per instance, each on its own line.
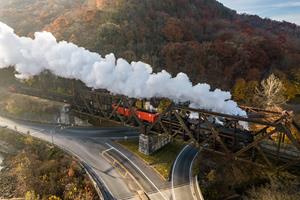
<point x="31" y="195"/>
<point x="238" y="91"/>
<point x="53" y="197"/>
<point x="163" y="105"/>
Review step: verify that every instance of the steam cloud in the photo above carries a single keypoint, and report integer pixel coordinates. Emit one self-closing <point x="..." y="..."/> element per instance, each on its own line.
<point x="32" y="56"/>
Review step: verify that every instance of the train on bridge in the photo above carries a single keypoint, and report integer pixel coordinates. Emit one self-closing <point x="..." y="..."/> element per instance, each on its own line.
<point x="268" y="139"/>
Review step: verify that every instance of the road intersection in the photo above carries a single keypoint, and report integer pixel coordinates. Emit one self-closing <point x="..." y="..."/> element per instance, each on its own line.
<point x="90" y="145"/>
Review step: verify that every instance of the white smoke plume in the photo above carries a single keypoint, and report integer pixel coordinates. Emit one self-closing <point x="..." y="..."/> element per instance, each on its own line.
<point x="32" y="56"/>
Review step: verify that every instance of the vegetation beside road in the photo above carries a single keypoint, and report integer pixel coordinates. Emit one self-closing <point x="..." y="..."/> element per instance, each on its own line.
<point x="29" y="108"/>
<point x="161" y="160"/>
<point x="40" y="171"/>
<point x="220" y="179"/>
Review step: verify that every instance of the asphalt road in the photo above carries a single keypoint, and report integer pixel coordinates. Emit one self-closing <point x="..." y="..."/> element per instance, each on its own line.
<point x="183" y="181"/>
<point x="88" y="144"/>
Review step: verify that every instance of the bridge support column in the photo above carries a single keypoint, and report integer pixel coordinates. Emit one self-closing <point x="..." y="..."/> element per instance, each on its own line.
<point x="148" y="144"/>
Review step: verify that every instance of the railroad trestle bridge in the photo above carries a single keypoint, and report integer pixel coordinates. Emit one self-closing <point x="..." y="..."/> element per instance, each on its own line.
<point x="272" y="139"/>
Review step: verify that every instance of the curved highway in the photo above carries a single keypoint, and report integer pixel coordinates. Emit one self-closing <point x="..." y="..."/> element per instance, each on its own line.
<point x="183" y="182"/>
<point x="86" y="144"/>
<point x="89" y="146"/>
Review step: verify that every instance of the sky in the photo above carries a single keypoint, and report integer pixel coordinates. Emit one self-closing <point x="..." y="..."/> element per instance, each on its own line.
<point x="288" y="10"/>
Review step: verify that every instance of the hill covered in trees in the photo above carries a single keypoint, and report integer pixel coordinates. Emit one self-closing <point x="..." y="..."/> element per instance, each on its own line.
<point x="209" y="42"/>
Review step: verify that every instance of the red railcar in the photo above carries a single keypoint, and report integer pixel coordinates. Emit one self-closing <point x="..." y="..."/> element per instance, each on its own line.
<point x="122" y="110"/>
<point x="147" y="116"/>
<point x="142" y="115"/>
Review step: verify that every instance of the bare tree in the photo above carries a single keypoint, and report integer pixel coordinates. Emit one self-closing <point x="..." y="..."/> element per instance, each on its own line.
<point x="270" y="93"/>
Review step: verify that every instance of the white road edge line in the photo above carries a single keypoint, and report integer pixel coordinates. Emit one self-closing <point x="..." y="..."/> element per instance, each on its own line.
<point x="173" y="170"/>
<point x="92" y="168"/>
<point x="191" y="177"/>
<point x="198" y="189"/>
<point x="122" y="138"/>
<point x="107" y="150"/>
<point x="8" y="122"/>
<point x="139" y="170"/>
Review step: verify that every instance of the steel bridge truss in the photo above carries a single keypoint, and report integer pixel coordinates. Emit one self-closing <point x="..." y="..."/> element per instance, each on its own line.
<point x="273" y="144"/>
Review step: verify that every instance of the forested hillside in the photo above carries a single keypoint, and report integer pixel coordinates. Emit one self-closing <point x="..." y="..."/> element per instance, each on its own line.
<point x="209" y="42"/>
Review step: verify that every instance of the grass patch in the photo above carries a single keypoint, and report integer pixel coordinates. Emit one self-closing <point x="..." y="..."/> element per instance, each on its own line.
<point x="26" y="107"/>
<point x="20" y="104"/>
<point x="161" y="160"/>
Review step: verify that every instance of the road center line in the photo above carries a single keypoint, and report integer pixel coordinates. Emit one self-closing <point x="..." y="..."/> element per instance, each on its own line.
<point x="107" y="150"/>
<point x="165" y="198"/>
<point x="173" y="170"/>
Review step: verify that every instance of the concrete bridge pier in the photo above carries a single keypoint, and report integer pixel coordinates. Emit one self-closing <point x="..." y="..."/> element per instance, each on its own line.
<point x="148" y="144"/>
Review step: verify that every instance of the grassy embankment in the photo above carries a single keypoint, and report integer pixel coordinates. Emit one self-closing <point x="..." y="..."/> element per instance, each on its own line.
<point x="30" y="108"/>
<point x="39" y="171"/>
<point x="161" y="160"/>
